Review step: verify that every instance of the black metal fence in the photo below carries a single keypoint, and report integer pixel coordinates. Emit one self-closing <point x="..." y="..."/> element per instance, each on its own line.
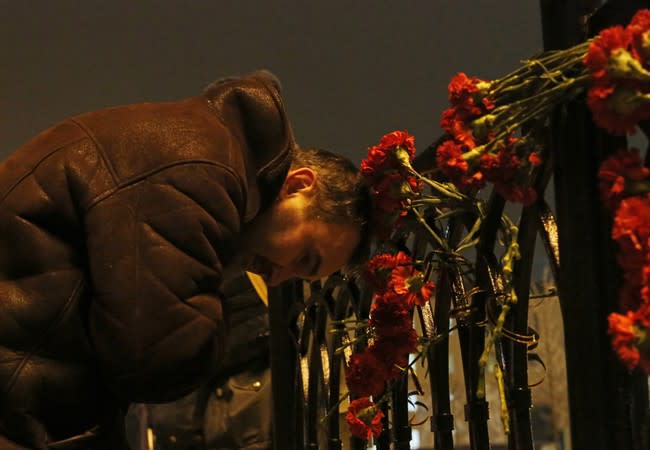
<point x="608" y="405"/>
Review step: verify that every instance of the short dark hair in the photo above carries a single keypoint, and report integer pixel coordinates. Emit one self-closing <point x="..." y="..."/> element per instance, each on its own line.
<point x="342" y="195"/>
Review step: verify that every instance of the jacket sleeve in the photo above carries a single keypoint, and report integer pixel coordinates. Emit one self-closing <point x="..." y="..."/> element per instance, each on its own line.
<point x="156" y="249"/>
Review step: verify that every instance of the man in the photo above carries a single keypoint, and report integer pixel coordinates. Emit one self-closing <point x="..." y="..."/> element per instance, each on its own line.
<point x="116" y="227"/>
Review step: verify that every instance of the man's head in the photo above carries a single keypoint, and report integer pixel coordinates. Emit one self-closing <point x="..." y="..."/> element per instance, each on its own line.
<point x="318" y="223"/>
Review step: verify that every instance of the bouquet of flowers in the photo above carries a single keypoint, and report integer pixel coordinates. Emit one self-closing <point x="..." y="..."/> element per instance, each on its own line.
<point x="494" y="133"/>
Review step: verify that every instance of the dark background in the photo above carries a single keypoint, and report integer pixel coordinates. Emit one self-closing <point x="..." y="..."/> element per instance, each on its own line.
<point x="351" y="70"/>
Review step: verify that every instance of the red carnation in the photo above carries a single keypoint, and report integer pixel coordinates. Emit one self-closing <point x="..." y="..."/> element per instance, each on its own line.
<point x="625" y="164"/>
<point x="456" y="124"/>
<point x="641" y="21"/>
<point x="638" y="29"/>
<point x="364" y="418"/>
<point x="449" y="159"/>
<point x="624" y="336"/>
<point x="461" y="87"/>
<point x="366" y="374"/>
<point x="389" y="315"/>
<point x="394" y="350"/>
<point x="513" y="192"/>
<point x="468" y="94"/>
<point x="632" y="221"/>
<point x="409" y="283"/>
<point x="631" y="231"/>
<point x="501" y="167"/>
<point x="617" y="108"/>
<point x="535" y="159"/>
<point x="601" y="49"/>
<point x="401" y="139"/>
<point x="392" y="191"/>
<point x="378" y="269"/>
<point x="629" y="337"/>
<point x="382" y="158"/>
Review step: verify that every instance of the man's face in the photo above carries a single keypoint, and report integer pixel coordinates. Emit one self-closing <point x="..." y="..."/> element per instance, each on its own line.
<point x="289" y="242"/>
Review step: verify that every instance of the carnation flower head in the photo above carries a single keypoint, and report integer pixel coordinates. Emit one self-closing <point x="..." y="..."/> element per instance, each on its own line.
<point x="535" y="159"/>
<point x="457" y="123"/>
<point x="394" y="351"/>
<point x="632" y="222"/>
<point x="409" y="283"/>
<point x="617" y="108"/>
<point x="468" y="93"/>
<point x="389" y="315"/>
<point x="516" y="193"/>
<point x="623" y="165"/>
<point x="377" y="271"/>
<point x="393" y="151"/>
<point x="502" y="167"/>
<point x="450" y="161"/>
<point x="639" y="29"/>
<point x="364" y="418"/>
<point x="602" y="49"/>
<point x="629" y="333"/>
<point x="392" y="192"/>
<point x="631" y="232"/>
<point x="366" y="374"/>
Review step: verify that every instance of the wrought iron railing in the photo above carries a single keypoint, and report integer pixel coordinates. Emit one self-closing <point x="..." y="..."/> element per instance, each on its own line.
<point x="608" y="405"/>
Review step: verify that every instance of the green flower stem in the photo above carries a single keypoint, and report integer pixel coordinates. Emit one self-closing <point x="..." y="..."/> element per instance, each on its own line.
<point x="425" y="201"/>
<point x="512" y="252"/>
<point x="448" y="190"/>
<point x="350" y="343"/>
<point x="476" y="152"/>
<point x="335" y="407"/>
<point x="346" y="321"/>
<point x="524" y="113"/>
<point x="440" y="187"/>
<point x="467" y="244"/>
<point x="548" y="59"/>
<point x="550" y="94"/>
<point x="505" y="414"/>
<point x="496" y="332"/>
<point x="433" y="234"/>
<point x="467" y="238"/>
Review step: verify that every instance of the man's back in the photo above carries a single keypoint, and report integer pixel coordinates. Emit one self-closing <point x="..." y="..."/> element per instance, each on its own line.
<point x="114" y="228"/>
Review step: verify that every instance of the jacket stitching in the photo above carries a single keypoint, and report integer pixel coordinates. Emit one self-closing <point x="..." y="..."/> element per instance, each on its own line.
<point x="130" y="182"/>
<point x="35" y="166"/>
<point x="39" y="343"/>
<point x="100" y="149"/>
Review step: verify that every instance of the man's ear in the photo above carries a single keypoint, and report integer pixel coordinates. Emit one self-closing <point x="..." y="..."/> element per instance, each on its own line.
<point x="300" y="180"/>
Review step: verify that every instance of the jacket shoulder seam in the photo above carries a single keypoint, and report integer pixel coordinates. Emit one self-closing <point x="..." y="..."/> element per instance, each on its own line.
<point x="132" y="181"/>
<point x="32" y="169"/>
<point x="100" y="149"/>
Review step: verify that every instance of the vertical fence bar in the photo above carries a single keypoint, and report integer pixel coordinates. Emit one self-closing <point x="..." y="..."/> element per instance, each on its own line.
<point x="442" y="421"/>
<point x="285" y="379"/>
<point x="603" y="396"/>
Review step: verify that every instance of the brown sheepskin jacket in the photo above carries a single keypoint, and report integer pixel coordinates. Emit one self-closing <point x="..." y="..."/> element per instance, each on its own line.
<point x="114" y="229"/>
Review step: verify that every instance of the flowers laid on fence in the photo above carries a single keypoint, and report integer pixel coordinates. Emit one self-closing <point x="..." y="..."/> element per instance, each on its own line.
<point x="495" y="130"/>
<point x="621" y="176"/>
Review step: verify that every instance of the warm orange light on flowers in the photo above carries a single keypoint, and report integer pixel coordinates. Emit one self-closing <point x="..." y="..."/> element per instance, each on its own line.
<point x="364" y="418"/>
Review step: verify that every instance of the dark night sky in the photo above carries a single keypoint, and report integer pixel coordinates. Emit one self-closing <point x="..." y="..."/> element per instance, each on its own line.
<point x="351" y="70"/>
